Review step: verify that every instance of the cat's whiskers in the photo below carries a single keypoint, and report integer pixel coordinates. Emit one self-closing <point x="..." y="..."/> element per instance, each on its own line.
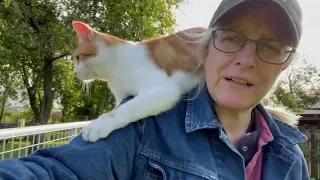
<point x="85" y="87"/>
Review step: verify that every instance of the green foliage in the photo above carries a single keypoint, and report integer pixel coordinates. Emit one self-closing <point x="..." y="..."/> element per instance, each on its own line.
<point x="7" y="3"/>
<point x="12" y="116"/>
<point x="300" y="88"/>
<point x="131" y="20"/>
<point x="36" y="39"/>
<point x="33" y="38"/>
<point x="285" y="98"/>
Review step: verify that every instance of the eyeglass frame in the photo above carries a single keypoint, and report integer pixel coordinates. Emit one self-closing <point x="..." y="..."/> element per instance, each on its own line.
<point x="257" y="42"/>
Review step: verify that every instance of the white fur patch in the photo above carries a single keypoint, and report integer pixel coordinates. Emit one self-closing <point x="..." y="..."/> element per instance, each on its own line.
<point x="130" y="71"/>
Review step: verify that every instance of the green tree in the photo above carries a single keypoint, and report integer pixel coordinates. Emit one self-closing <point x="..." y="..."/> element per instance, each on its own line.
<point x="9" y="86"/>
<point x="299" y="89"/>
<point x="131" y="20"/>
<point x="37" y="37"/>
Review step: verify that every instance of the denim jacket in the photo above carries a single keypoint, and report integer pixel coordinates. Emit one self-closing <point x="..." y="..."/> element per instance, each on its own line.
<point x="186" y="142"/>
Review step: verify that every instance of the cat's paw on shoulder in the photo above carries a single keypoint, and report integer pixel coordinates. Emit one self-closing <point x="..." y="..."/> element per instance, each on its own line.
<point x="99" y="128"/>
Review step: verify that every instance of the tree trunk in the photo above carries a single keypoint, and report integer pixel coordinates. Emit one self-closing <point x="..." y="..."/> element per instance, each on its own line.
<point x="47" y="99"/>
<point x="43" y="111"/>
<point x="31" y="90"/>
<point x="33" y="101"/>
<point x="63" y="115"/>
<point x="3" y="103"/>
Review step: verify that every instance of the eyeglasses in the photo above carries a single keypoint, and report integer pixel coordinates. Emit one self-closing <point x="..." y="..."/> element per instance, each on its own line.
<point x="270" y="51"/>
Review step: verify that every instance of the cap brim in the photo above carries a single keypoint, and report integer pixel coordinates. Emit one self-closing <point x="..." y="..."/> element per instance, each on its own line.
<point x="237" y="3"/>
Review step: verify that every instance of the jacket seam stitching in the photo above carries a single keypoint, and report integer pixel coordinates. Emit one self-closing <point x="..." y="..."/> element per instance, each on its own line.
<point x="169" y="162"/>
<point x="142" y="142"/>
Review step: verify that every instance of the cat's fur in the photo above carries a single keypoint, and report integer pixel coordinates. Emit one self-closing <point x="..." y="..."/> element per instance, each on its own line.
<point x="156" y="71"/>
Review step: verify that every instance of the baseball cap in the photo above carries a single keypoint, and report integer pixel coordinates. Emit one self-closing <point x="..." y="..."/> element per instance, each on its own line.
<point x="290" y="7"/>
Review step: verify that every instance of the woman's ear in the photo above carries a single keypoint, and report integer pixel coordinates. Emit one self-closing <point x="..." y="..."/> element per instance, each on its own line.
<point x="289" y="61"/>
<point x="206" y="51"/>
<point x="284" y="67"/>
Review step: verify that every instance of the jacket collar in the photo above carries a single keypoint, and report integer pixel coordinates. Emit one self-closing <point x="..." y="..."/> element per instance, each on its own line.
<point x="200" y="115"/>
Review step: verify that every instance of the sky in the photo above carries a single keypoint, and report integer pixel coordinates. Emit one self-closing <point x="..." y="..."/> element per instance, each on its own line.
<point x="199" y="12"/>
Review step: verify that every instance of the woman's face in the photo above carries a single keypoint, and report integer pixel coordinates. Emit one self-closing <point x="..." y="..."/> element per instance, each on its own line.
<point x="226" y="72"/>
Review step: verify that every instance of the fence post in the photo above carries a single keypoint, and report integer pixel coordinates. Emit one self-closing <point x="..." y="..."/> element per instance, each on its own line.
<point x="314" y="153"/>
<point x="21" y="123"/>
<point x="72" y="133"/>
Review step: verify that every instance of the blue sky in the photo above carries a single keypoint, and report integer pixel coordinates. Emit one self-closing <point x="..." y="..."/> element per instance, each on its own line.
<point x="199" y="12"/>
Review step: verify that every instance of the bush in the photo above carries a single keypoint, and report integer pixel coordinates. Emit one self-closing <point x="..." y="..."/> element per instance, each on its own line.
<point x="12" y="116"/>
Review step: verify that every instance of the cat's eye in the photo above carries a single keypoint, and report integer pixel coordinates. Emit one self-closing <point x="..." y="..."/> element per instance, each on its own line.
<point x="79" y="57"/>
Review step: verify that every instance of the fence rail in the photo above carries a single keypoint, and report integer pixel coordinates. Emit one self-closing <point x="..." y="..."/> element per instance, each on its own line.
<point x="20" y="142"/>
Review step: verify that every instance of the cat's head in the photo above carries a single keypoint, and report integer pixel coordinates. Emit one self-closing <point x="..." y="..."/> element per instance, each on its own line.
<point x="91" y="54"/>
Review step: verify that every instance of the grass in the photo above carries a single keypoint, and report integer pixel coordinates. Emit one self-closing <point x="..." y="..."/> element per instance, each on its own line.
<point x="15" y="145"/>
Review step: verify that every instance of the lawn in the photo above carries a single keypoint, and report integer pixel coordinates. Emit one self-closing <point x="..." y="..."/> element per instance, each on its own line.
<point x="15" y="145"/>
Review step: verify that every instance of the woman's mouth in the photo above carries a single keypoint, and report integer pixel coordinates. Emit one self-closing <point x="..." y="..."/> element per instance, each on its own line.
<point x="239" y="82"/>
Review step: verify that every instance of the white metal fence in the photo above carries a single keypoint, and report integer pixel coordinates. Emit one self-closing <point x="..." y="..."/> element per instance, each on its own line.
<point x="20" y="142"/>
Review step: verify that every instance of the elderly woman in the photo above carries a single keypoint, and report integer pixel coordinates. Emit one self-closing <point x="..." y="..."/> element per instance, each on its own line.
<point x="223" y="134"/>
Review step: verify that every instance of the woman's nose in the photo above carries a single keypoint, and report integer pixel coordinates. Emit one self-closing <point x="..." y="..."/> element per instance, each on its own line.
<point x="247" y="55"/>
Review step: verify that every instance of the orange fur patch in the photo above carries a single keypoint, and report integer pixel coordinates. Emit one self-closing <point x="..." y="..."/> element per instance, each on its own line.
<point x="110" y="40"/>
<point x="87" y="49"/>
<point x="175" y="52"/>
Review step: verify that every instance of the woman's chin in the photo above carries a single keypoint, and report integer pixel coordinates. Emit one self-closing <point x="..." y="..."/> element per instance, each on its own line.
<point x="234" y="102"/>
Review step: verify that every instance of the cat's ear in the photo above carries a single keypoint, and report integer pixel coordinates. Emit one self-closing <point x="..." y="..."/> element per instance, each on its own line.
<point x="83" y="31"/>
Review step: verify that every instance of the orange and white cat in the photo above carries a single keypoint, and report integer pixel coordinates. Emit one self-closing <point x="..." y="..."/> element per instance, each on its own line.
<point x="157" y="72"/>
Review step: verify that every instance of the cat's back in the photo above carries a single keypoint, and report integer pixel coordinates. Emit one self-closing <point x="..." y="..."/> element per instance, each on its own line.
<point x="175" y="59"/>
<point x="177" y="52"/>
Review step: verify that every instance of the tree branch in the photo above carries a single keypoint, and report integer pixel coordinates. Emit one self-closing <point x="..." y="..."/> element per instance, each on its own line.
<point x="37" y="79"/>
<point x="25" y="77"/>
<point x="60" y="56"/>
<point x="1" y="83"/>
<point x="34" y="24"/>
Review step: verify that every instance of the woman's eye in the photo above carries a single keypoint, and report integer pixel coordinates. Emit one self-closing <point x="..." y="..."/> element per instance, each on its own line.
<point x="230" y="38"/>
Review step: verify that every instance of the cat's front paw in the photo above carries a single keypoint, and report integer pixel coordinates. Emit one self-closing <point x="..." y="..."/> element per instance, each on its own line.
<point x="99" y="128"/>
